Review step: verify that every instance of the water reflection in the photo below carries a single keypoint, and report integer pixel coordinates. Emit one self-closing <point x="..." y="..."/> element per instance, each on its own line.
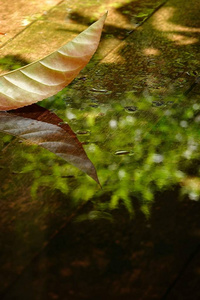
<point x="150" y="151"/>
<point x="159" y="148"/>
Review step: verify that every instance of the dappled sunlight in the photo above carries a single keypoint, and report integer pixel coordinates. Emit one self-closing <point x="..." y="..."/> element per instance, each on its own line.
<point x="116" y="17"/>
<point x="151" y="51"/>
<point x="115" y="58"/>
<point x="162" y="22"/>
<point x="182" y="39"/>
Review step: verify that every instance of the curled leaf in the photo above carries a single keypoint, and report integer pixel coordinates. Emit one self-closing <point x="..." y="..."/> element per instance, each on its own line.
<point x="39" y="126"/>
<point x="46" y="77"/>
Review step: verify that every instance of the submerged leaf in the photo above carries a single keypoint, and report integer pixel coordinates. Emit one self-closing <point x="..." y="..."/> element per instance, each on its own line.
<point x="46" y="77"/>
<point x="40" y="126"/>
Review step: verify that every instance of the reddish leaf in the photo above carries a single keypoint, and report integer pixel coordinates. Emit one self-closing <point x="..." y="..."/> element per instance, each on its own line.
<point x="42" y="127"/>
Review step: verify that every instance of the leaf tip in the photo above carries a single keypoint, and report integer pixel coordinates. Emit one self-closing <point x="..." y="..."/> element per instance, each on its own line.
<point x="105" y="15"/>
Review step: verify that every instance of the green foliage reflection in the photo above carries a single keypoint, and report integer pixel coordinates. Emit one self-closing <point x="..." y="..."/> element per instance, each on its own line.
<point x="136" y="154"/>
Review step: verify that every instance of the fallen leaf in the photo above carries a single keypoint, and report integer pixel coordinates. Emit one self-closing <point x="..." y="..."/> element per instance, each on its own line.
<point x="39" y="126"/>
<point x="46" y="77"/>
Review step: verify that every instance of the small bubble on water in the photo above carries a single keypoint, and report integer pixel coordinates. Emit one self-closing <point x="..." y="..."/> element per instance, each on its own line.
<point x="122" y="152"/>
<point x="130" y="109"/>
<point x="100" y="91"/>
